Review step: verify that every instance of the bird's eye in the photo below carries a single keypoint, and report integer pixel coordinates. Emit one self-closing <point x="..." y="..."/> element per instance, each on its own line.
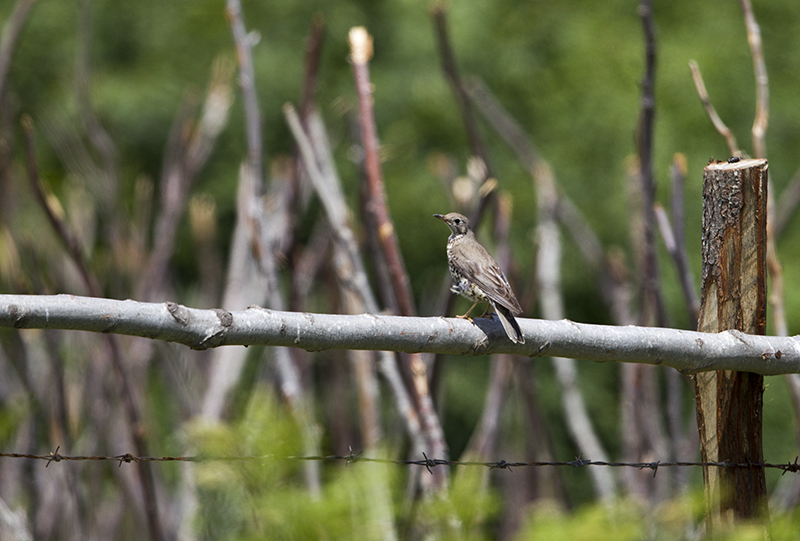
<point x="457" y="221"/>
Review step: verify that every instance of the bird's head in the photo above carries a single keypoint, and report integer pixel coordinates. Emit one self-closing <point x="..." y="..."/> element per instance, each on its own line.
<point x="458" y="223"/>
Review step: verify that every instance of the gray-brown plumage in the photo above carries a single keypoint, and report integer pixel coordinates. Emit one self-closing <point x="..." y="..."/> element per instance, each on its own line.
<point x="477" y="276"/>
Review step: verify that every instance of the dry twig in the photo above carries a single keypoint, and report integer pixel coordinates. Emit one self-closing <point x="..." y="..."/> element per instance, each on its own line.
<point x="360" y="54"/>
<point x="721" y="127"/>
<point x="11" y="32"/>
<point x="131" y="408"/>
<point x="244" y="43"/>
<point x="450" y="68"/>
<point x="761" y="120"/>
<point x="652" y="309"/>
<point x="351" y="272"/>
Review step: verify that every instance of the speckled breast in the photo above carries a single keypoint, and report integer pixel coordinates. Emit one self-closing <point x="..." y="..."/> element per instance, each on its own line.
<point x="464" y="287"/>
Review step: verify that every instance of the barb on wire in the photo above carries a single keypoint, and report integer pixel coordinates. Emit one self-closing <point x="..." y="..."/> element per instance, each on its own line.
<point x="502" y="465"/>
<point x="352" y="457"/>
<point x="426" y="462"/>
<point x="54" y="457"/>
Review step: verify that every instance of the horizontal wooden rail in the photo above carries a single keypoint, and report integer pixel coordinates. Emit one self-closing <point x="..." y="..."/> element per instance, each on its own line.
<point x="687" y="351"/>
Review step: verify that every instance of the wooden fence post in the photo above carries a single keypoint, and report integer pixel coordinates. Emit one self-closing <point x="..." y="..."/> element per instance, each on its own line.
<point x="729" y="404"/>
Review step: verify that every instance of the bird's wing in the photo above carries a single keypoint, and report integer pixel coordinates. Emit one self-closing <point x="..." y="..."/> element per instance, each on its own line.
<point x="489" y="278"/>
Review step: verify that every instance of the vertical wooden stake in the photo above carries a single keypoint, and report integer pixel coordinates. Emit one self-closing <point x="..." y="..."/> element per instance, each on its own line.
<point x="729" y="404"/>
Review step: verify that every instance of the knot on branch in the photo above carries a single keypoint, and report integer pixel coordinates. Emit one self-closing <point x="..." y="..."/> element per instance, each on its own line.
<point x="225" y="317"/>
<point x="19" y="316"/>
<point x="178" y="312"/>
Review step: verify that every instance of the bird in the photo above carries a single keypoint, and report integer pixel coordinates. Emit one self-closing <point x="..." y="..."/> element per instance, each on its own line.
<point x="478" y="277"/>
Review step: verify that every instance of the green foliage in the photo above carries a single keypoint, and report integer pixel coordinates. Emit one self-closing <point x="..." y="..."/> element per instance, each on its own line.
<point x="267" y="498"/>
<point x="11" y="418"/>
<point x="621" y="522"/>
<point x="674" y="520"/>
<point x="466" y="381"/>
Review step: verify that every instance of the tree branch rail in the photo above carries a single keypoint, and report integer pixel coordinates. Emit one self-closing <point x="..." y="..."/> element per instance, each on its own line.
<point x="687" y="351"/>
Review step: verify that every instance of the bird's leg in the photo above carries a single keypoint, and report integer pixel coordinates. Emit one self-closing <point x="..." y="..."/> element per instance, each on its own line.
<point x="466" y="316"/>
<point x="485" y="311"/>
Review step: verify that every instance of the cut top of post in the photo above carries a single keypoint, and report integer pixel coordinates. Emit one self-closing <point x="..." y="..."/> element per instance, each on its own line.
<point x="737" y="163"/>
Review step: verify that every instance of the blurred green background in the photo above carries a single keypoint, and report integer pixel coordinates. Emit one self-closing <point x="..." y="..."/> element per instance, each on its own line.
<point x="568" y="71"/>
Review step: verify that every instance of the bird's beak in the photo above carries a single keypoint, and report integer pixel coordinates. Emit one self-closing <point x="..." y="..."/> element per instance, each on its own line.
<point x="441" y="217"/>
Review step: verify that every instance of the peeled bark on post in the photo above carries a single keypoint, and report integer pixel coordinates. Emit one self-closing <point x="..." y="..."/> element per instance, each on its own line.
<point x="734" y="296"/>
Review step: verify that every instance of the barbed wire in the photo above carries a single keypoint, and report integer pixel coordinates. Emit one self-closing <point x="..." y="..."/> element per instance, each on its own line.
<point x="428" y="463"/>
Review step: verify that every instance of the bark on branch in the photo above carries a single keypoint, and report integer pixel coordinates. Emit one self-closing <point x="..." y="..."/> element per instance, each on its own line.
<point x="687" y="351"/>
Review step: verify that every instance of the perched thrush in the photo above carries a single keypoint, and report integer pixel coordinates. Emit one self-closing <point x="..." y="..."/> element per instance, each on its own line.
<point x="477" y="276"/>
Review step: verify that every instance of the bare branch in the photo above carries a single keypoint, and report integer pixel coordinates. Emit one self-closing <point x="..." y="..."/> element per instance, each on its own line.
<point x="108" y="186"/>
<point x="265" y="232"/>
<point x="551" y="302"/>
<point x="329" y="189"/>
<point x="761" y="120"/>
<point x="424" y="416"/>
<point x="360" y="54"/>
<point x="776" y="280"/>
<point x="247" y="80"/>
<point x="352" y="276"/>
<point x="188" y="149"/>
<point x="759" y="131"/>
<point x="668" y="236"/>
<point x="612" y="284"/>
<point x="214" y="116"/>
<point x="724" y="131"/>
<point x="11" y="32"/>
<point x="53" y="213"/>
<point x="450" y="68"/>
<point x="244" y="285"/>
<point x="503" y="123"/>
<point x="642" y="423"/>
<point x="674" y="239"/>
<point x="483" y="441"/>
<point x="786" y="206"/>
<point x="131" y="408"/>
<point x="644" y="131"/>
<point x="313" y="56"/>
<point x="682" y="256"/>
<point x="362" y="362"/>
<point x="652" y="309"/>
<point x="298" y="186"/>
<point x="244" y="281"/>
<point x="687" y="351"/>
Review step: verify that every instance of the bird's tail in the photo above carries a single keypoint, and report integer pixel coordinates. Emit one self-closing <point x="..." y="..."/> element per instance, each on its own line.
<point x="510" y="324"/>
